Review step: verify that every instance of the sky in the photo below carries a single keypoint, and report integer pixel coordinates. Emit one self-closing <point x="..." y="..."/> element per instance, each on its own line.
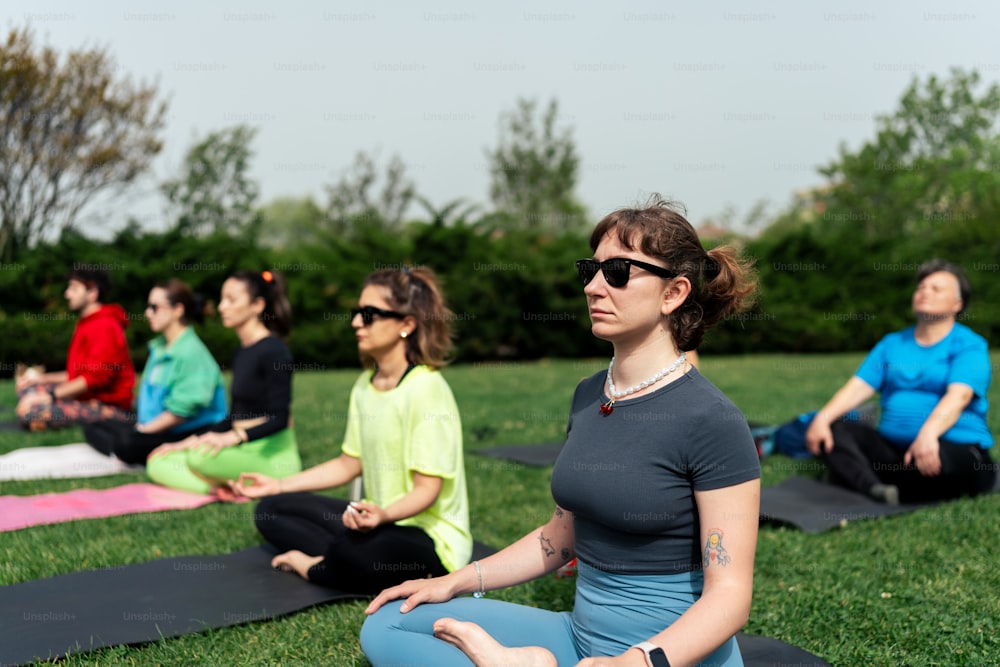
<point x="718" y="106"/>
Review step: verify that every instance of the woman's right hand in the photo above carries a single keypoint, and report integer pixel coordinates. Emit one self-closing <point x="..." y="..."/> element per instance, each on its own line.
<point x="255" y="485"/>
<point x="166" y="448"/>
<point x="819" y="437"/>
<point x="416" y="592"/>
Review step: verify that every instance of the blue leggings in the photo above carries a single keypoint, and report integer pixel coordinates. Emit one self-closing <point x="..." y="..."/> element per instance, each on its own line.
<point x="391" y="638"/>
<point x="611" y="613"/>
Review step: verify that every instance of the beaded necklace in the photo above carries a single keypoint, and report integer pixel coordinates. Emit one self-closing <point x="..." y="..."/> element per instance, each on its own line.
<point x="609" y="407"/>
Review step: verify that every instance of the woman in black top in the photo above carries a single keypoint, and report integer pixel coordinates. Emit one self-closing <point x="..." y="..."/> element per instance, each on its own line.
<point x="257" y="435"/>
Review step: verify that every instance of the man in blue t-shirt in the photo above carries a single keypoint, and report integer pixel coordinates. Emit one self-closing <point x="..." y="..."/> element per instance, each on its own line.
<point x="932" y="441"/>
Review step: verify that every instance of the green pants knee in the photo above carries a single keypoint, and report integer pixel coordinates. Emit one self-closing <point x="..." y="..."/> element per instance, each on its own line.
<point x="193" y="470"/>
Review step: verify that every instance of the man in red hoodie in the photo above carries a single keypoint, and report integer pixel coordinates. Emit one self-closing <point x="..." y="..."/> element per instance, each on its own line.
<point x="99" y="377"/>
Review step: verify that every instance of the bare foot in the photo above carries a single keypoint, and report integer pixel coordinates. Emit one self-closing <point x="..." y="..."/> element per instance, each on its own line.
<point x="295" y="561"/>
<point x="484" y="651"/>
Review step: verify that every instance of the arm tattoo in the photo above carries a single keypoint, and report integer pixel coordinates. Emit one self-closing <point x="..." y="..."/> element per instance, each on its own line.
<point x="559" y="511"/>
<point x="565" y="555"/>
<point x="714" y="552"/>
<point x="546" y="544"/>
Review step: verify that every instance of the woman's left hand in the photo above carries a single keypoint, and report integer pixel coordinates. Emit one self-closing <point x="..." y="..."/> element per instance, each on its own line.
<point x="363" y="517"/>
<point x="925" y="453"/>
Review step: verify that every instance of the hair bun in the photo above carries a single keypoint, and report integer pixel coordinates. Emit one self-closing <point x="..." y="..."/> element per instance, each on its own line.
<point x="712" y="267"/>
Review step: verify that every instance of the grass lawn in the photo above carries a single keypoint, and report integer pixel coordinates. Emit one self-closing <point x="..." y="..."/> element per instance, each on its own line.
<point x="919" y="589"/>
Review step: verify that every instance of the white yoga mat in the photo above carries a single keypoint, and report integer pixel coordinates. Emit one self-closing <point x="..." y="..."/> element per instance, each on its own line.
<point x="61" y="462"/>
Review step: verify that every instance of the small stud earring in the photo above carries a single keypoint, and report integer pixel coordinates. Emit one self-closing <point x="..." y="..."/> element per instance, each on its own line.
<point x="402" y="334"/>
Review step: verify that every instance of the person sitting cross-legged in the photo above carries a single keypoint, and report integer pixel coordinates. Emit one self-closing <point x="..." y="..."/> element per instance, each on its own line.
<point x="99" y="377"/>
<point x="181" y="389"/>
<point x="656" y="489"/>
<point x="933" y="440"/>
<point x="403" y="434"/>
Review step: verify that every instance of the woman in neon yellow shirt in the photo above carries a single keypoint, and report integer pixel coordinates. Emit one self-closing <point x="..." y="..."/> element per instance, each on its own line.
<point x="404" y="434"/>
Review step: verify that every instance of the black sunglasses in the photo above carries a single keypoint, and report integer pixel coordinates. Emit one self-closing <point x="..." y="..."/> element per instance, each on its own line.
<point x="617" y="269"/>
<point x="368" y="314"/>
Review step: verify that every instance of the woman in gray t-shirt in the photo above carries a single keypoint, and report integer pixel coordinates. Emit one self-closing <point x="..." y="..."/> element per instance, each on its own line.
<point x="657" y="489"/>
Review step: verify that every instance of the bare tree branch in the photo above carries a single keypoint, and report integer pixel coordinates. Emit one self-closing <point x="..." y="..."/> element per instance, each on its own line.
<point x="69" y="130"/>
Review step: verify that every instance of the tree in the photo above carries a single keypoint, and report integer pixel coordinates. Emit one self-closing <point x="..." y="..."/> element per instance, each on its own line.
<point x="931" y="163"/>
<point x="455" y="212"/>
<point x="534" y="170"/>
<point x="353" y="201"/>
<point x="734" y="223"/>
<point x="291" y="222"/>
<point x="837" y="267"/>
<point x="69" y="130"/>
<point x="215" y="192"/>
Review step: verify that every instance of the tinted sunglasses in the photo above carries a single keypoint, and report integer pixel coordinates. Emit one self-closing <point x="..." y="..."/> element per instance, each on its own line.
<point x="368" y="314"/>
<point x="617" y="269"/>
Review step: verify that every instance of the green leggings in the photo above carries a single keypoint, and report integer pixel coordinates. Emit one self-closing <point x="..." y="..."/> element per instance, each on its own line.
<point x="192" y="470"/>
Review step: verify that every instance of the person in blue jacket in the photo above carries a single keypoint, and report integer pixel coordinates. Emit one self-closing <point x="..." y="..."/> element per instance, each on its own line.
<point x="181" y="388"/>
<point x="932" y="441"/>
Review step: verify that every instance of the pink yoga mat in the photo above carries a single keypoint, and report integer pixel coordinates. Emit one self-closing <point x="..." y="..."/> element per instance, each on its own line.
<point x="18" y="512"/>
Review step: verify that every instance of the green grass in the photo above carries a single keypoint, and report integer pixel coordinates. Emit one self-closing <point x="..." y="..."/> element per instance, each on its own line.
<point x="917" y="589"/>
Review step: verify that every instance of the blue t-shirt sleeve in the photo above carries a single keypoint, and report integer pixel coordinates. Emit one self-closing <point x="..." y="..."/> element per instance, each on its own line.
<point x="970" y="364"/>
<point x="873" y="368"/>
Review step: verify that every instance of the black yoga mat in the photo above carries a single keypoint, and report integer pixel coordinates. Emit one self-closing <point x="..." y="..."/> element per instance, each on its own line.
<point x="531" y="455"/>
<point x="142" y="602"/>
<point x="760" y="651"/>
<point x="815" y="506"/>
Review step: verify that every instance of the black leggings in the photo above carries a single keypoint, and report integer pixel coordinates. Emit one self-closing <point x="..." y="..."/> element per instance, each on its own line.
<point x="122" y="440"/>
<point x="354" y="562"/>
<point x="861" y="457"/>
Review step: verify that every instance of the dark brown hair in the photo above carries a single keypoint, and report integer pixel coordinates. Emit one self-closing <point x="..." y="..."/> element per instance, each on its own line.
<point x="92" y="277"/>
<point x="178" y="292"/>
<point x="415" y="291"/>
<point x="270" y="286"/>
<point x="722" y="282"/>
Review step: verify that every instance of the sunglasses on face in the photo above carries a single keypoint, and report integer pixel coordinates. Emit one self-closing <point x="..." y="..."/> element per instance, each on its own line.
<point x="617" y="270"/>
<point x="369" y="313"/>
<point x="155" y="306"/>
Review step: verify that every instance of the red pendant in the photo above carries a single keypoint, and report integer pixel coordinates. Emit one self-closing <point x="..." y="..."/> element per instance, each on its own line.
<point x="608" y="408"/>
